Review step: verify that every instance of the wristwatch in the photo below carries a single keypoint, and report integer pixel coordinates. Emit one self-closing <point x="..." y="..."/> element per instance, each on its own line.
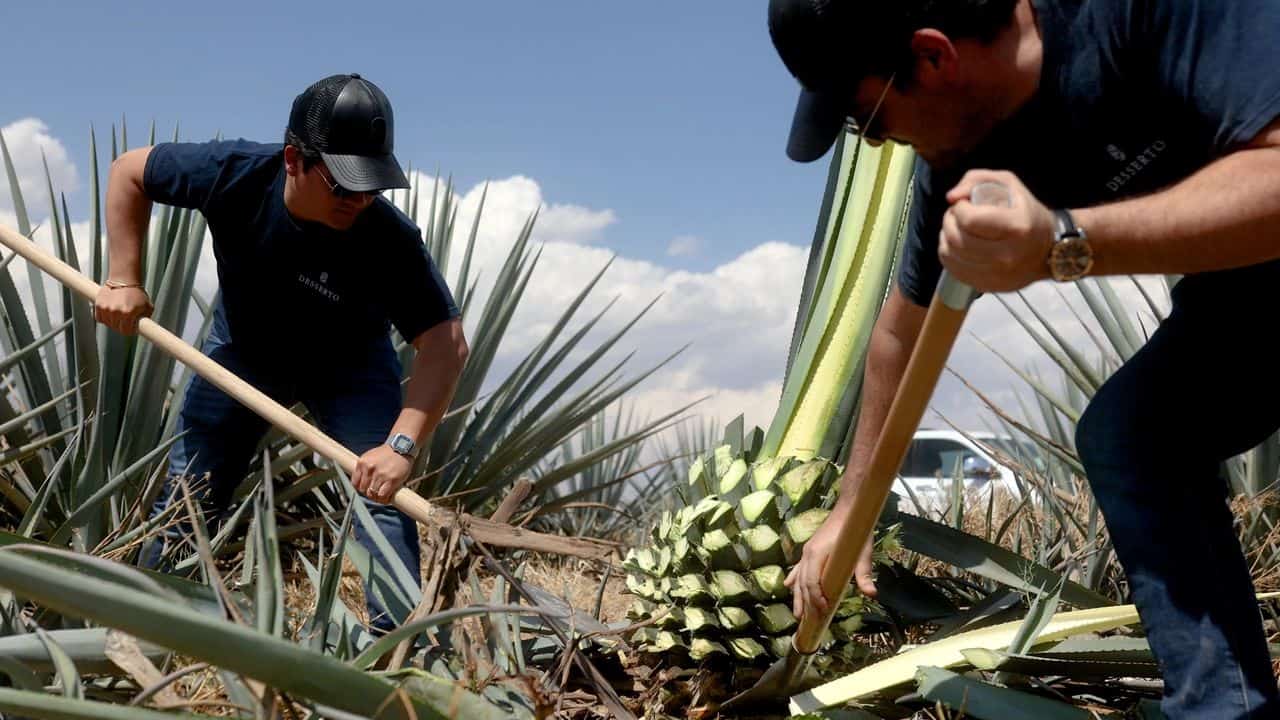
<point x="1071" y="256"/>
<point x="402" y="444"/>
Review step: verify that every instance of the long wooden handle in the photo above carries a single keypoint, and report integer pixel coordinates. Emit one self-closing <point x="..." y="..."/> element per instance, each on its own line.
<point x="947" y="310"/>
<point x="941" y="325"/>
<point x="408" y="501"/>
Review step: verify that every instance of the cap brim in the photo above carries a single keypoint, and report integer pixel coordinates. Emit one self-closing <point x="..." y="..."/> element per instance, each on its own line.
<point x="817" y="123"/>
<point x="363" y="173"/>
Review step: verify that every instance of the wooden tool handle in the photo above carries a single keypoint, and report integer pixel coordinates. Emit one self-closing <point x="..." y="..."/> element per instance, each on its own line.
<point x="947" y="310"/>
<point x="406" y="500"/>
<point x="941" y="325"/>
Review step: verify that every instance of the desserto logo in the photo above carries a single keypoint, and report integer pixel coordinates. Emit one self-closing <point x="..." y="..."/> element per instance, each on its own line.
<point x="1135" y="166"/>
<point x="325" y="292"/>
<point x="1117" y="153"/>
<point x="324" y="277"/>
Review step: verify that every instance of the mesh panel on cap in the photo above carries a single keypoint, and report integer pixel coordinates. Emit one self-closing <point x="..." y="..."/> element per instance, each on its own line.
<point x="322" y="96"/>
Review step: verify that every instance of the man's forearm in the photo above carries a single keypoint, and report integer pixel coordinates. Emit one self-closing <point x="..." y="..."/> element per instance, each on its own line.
<point x="1225" y="216"/>
<point x="128" y="213"/>
<point x="427" y="398"/>
<point x="437" y="366"/>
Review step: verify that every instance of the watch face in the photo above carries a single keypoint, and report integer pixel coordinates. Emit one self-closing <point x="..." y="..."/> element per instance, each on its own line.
<point x="1072" y="258"/>
<point x="401" y="444"/>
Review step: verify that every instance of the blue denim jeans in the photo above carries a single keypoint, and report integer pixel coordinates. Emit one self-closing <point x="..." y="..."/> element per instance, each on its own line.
<point x="1203" y="389"/>
<point x="354" y="400"/>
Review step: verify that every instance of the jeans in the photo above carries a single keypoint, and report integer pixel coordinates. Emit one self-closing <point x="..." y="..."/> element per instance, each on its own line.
<point x="1203" y="389"/>
<point x="355" y="400"/>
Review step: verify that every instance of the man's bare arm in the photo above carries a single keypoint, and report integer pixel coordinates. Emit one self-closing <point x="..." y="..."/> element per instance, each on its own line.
<point x="441" y="355"/>
<point x="1224" y="216"/>
<point x="128" y="213"/>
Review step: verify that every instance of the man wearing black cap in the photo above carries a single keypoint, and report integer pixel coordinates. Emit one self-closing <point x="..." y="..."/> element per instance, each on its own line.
<point x="1136" y="138"/>
<point x="314" y="267"/>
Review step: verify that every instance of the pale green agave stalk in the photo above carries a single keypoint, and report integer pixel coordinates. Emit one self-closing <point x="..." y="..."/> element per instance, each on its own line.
<point x="713" y="578"/>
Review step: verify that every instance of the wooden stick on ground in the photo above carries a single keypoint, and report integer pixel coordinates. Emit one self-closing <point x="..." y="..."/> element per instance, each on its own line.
<point x="516" y="495"/>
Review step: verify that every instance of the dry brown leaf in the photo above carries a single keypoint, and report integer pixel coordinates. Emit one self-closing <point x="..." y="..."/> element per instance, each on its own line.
<point x="122" y="649"/>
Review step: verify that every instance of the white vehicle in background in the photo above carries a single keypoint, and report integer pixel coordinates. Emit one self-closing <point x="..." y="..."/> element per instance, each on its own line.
<point x="936" y="457"/>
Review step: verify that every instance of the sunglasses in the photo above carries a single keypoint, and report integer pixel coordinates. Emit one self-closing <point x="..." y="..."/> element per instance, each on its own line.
<point x="864" y="130"/>
<point x="338" y="191"/>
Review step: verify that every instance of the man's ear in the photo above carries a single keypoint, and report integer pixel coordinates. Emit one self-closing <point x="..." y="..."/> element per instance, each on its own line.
<point x="292" y="161"/>
<point x="937" y="63"/>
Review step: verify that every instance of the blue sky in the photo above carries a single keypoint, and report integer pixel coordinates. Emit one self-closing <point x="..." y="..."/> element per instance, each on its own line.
<point x="671" y="114"/>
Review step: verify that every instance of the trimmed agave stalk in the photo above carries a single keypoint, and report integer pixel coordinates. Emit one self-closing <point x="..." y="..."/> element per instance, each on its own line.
<point x="713" y="575"/>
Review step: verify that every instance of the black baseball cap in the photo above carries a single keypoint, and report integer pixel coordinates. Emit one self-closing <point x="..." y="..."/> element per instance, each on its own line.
<point x="828" y="46"/>
<point x="348" y="120"/>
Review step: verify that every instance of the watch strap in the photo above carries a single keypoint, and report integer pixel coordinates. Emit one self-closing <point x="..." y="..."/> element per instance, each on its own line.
<point x="1064" y="254"/>
<point x="397" y="441"/>
<point x="1065" y="225"/>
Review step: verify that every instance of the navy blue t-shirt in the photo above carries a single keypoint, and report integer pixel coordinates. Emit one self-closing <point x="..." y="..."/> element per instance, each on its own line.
<point x="287" y="283"/>
<point x="1134" y="96"/>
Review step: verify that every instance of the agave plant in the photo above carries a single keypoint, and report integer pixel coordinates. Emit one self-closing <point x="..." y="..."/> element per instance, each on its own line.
<point x="262" y="656"/>
<point x="494" y="435"/>
<point x="606" y="499"/>
<point x="713" y="578"/>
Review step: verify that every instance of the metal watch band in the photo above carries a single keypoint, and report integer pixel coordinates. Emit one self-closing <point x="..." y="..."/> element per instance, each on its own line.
<point x="400" y="439"/>
<point x="1066" y="225"/>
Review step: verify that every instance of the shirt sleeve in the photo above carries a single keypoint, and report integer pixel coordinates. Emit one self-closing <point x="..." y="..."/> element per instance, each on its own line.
<point x="920" y="268"/>
<point x="1219" y="60"/>
<point x="186" y="174"/>
<point x="420" y="299"/>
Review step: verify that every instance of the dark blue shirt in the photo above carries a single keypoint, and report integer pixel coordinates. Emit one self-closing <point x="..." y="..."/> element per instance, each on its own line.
<point x="291" y="287"/>
<point x="1134" y="95"/>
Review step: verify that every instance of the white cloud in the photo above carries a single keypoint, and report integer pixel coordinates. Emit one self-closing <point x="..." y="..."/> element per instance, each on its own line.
<point x="670" y="392"/>
<point x="509" y="204"/>
<point x="684" y="246"/>
<point x="27" y="139"/>
<point x="572" y="224"/>
<point x="737" y="318"/>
